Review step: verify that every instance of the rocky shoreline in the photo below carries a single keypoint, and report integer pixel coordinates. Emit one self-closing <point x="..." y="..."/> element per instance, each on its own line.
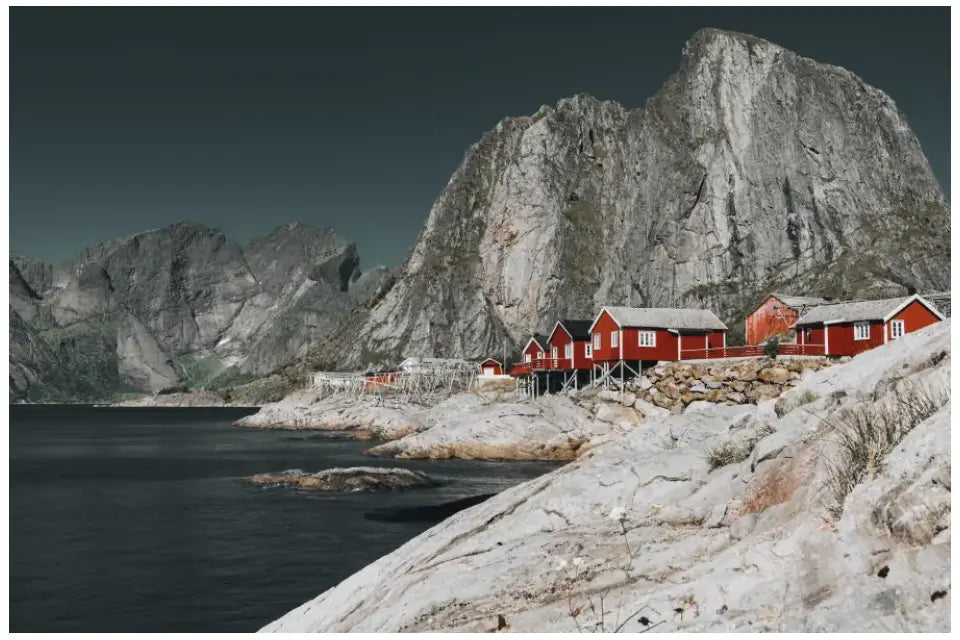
<point x="727" y="517"/>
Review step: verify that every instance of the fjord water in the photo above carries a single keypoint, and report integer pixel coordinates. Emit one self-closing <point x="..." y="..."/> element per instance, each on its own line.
<point x="137" y="519"/>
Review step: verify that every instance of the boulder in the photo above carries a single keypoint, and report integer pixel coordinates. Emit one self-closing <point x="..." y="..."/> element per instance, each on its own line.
<point x="774" y="375"/>
<point x="716" y="395"/>
<point x="699" y="388"/>
<point x="735" y="397"/>
<point x="766" y="391"/>
<point x="647" y="409"/>
<point x="618" y="415"/>
<point x="644" y="383"/>
<point x="627" y="399"/>
<point x="609" y="395"/>
<point x="715" y="517"/>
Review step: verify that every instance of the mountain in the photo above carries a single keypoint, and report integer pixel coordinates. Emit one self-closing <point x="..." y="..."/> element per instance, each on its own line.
<point x="181" y="305"/>
<point x="752" y="169"/>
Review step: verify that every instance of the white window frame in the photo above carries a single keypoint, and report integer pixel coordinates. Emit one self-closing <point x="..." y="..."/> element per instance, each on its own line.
<point x="858" y="331"/>
<point x="893" y="332"/>
<point x="554" y="352"/>
<point x="614" y="339"/>
<point x="646" y="338"/>
<point x="596" y="340"/>
<point x="527" y="357"/>
<point x="568" y="351"/>
<point x="587" y="351"/>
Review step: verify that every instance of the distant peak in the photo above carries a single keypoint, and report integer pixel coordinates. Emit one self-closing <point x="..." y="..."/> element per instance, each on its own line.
<point x="577" y="99"/>
<point x="699" y="43"/>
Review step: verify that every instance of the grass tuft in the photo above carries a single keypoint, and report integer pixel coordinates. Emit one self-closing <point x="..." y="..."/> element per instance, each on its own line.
<point x="867" y="433"/>
<point x="731" y="452"/>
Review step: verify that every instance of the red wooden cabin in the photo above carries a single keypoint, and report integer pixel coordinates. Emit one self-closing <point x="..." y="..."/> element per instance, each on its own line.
<point x="536" y="348"/>
<point x="570" y="343"/>
<point x="647" y="334"/>
<point x="776" y="315"/>
<point x="849" y="328"/>
<point x="491" y="367"/>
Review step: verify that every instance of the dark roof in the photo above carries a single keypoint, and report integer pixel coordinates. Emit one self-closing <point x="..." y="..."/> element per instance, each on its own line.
<point x="578" y="329"/>
<point x="540" y="339"/>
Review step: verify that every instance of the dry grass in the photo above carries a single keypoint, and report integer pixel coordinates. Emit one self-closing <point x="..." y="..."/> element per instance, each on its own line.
<point x="867" y="433"/>
<point x="731" y="452"/>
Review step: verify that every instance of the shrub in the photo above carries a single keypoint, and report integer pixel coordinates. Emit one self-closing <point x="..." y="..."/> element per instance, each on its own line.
<point x="867" y="433"/>
<point x="772" y="347"/>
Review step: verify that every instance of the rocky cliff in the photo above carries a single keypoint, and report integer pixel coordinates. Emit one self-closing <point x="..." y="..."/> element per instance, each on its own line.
<point x="182" y="305"/>
<point x="752" y="169"/>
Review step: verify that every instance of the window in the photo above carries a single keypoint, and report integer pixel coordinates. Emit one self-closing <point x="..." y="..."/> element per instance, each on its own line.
<point x="568" y="350"/>
<point x="527" y="357"/>
<point x="861" y="330"/>
<point x="587" y="351"/>
<point x="647" y="338"/>
<point x="896" y="329"/>
<point x="553" y="353"/>
<point x="614" y="339"/>
<point x="596" y="341"/>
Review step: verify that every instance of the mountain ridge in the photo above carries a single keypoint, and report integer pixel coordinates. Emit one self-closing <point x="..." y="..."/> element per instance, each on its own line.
<point x="178" y="305"/>
<point x="750" y="169"/>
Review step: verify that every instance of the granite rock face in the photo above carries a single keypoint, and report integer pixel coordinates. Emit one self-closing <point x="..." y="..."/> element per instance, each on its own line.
<point x="642" y="532"/>
<point x="178" y="305"/>
<point x="752" y="169"/>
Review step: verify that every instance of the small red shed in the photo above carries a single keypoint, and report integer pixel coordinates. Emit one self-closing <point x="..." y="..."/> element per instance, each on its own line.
<point x="646" y="334"/>
<point x="570" y="341"/>
<point x="491" y="367"/>
<point x="849" y="328"/>
<point x="776" y="315"/>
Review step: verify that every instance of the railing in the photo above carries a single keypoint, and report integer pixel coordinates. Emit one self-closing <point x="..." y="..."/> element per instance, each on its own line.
<point x="521" y="369"/>
<point x="552" y="364"/>
<point x="542" y="364"/>
<point x="751" y="351"/>
<point x="801" y="349"/>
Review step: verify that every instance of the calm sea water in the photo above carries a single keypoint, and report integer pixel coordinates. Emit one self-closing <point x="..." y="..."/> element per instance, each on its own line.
<point x="138" y="520"/>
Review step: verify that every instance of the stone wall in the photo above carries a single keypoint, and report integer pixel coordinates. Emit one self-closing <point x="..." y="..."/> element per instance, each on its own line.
<point x="675" y="385"/>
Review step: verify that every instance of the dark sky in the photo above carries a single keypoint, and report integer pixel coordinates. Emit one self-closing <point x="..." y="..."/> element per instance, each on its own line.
<point x="123" y="120"/>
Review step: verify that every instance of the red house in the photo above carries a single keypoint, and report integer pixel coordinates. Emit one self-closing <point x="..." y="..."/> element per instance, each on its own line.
<point x="537" y="348"/>
<point x="635" y="335"/>
<point x="776" y="315"/>
<point x="570" y="341"/>
<point x="490" y="367"/>
<point x="849" y="328"/>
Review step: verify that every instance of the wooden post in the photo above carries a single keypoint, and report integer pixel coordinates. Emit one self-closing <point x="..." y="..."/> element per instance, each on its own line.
<point x="621" y="382"/>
